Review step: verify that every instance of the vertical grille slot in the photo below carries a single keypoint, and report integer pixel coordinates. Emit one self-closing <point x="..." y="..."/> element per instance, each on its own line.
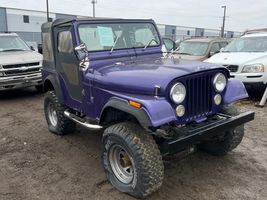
<point x="198" y="96"/>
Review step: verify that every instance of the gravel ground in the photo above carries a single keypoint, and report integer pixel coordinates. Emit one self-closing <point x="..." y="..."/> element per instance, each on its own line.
<point x="35" y="164"/>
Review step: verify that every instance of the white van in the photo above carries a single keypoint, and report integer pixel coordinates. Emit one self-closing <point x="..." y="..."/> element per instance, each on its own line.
<point x="20" y="65"/>
<point x="246" y="58"/>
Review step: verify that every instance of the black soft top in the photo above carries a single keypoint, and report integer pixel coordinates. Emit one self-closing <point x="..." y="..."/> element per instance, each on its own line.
<point x="58" y="22"/>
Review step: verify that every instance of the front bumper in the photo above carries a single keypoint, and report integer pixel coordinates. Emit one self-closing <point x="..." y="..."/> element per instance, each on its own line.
<point x="195" y="133"/>
<point x="250" y="77"/>
<point x="21" y="81"/>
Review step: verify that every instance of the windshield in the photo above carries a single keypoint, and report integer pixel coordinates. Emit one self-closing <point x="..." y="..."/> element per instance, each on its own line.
<point x="247" y="44"/>
<point x="193" y="48"/>
<point x="99" y="37"/>
<point x="12" y="43"/>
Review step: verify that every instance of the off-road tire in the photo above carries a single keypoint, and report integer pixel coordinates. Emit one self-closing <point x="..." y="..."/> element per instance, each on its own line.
<point x="148" y="164"/>
<point x="63" y="125"/>
<point x="230" y="141"/>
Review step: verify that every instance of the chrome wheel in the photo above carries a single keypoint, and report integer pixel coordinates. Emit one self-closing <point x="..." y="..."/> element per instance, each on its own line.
<point x="52" y="114"/>
<point x="121" y="164"/>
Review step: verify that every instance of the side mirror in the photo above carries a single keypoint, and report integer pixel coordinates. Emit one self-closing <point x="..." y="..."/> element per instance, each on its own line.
<point x="169" y="44"/>
<point x="222" y="49"/>
<point x="81" y="52"/>
<point x="32" y="48"/>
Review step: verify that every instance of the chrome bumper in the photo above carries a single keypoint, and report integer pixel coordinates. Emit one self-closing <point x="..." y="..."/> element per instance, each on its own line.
<point x="20" y="81"/>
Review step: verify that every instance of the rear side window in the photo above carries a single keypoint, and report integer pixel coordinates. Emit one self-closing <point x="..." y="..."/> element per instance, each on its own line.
<point x="47" y="47"/>
<point x="65" y="44"/>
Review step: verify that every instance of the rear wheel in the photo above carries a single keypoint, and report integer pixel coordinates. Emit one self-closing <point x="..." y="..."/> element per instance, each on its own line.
<point x="232" y="138"/>
<point x="54" y="114"/>
<point x="132" y="160"/>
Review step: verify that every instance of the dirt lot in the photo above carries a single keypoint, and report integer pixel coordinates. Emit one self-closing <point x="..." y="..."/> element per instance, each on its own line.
<point x="35" y="164"/>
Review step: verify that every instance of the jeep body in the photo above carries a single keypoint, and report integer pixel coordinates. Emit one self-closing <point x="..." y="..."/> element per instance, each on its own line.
<point x="20" y="66"/>
<point x="112" y="74"/>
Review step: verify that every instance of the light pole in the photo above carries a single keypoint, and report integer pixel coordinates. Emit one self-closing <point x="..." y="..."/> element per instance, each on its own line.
<point x="47" y="10"/>
<point x="224" y="12"/>
<point x="94" y="2"/>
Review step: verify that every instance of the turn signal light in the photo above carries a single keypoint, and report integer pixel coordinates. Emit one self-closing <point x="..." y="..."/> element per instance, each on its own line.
<point x="135" y="104"/>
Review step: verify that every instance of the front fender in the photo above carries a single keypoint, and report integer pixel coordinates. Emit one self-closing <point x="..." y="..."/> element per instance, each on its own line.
<point x="153" y="113"/>
<point x="235" y="90"/>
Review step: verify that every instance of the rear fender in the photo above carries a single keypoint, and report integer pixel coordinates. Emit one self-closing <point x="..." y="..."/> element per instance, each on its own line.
<point x="56" y="86"/>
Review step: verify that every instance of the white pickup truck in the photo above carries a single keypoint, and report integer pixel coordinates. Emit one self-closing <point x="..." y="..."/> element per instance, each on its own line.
<point x="20" y="65"/>
<point x="246" y="58"/>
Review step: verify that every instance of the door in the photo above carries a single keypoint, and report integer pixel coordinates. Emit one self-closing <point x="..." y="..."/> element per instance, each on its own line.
<point x="68" y="64"/>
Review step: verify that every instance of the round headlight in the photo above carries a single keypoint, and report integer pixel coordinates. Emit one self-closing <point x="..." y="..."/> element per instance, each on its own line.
<point x="219" y="82"/>
<point x="178" y="93"/>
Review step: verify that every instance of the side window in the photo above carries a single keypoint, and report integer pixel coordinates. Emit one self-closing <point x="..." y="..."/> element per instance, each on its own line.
<point x="215" y="47"/>
<point x="47" y="47"/>
<point x="65" y="44"/>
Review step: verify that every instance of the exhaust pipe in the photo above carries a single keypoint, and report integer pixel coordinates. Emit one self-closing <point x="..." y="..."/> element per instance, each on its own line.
<point x="80" y="121"/>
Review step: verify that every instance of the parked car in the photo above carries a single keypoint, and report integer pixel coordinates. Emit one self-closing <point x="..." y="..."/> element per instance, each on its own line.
<point x="200" y="48"/>
<point x="20" y="66"/>
<point x="246" y="59"/>
<point x="110" y="74"/>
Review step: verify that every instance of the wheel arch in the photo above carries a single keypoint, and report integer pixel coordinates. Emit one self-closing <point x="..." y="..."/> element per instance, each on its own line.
<point x="51" y="83"/>
<point x="116" y="110"/>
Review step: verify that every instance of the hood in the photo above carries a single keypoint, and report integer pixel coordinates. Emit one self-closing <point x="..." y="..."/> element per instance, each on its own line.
<point x="237" y="58"/>
<point x="141" y="76"/>
<point x="18" y="57"/>
<point x="189" y="57"/>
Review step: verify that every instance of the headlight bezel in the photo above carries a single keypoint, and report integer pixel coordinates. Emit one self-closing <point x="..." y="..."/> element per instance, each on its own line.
<point x="259" y="65"/>
<point x="215" y="82"/>
<point x="172" y="91"/>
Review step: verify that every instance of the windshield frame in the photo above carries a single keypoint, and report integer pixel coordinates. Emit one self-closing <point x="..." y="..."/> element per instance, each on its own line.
<point x="225" y="50"/>
<point x="78" y="40"/>
<point x="188" y="41"/>
<point x="20" y="40"/>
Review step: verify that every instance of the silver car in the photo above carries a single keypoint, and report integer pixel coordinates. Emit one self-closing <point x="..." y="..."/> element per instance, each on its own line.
<point x="20" y="65"/>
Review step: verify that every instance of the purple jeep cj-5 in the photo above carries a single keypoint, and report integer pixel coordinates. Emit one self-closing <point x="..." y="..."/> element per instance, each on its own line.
<point x="112" y="74"/>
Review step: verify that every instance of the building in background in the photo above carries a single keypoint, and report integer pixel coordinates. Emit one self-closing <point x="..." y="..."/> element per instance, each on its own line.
<point x="27" y="24"/>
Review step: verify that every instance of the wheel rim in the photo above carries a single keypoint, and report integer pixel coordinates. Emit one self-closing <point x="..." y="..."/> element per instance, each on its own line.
<point x="121" y="164"/>
<point x="52" y="114"/>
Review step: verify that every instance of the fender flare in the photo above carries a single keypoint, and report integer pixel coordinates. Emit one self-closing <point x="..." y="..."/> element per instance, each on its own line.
<point x="235" y="91"/>
<point x="55" y="83"/>
<point x="123" y="105"/>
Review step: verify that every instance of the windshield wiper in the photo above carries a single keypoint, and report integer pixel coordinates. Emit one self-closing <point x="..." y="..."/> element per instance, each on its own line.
<point x="148" y="44"/>
<point x="13" y="50"/>
<point x="114" y="44"/>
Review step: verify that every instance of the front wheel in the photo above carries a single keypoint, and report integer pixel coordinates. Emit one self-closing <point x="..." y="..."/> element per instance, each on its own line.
<point x="232" y="138"/>
<point x="131" y="159"/>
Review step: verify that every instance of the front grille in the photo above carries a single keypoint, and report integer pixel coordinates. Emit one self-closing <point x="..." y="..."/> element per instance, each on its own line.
<point x="19" y="72"/>
<point x="232" y="68"/>
<point x="20" y="65"/>
<point x="199" y="96"/>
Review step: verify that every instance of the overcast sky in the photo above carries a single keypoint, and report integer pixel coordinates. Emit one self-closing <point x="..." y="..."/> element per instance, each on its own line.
<point x="241" y="14"/>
